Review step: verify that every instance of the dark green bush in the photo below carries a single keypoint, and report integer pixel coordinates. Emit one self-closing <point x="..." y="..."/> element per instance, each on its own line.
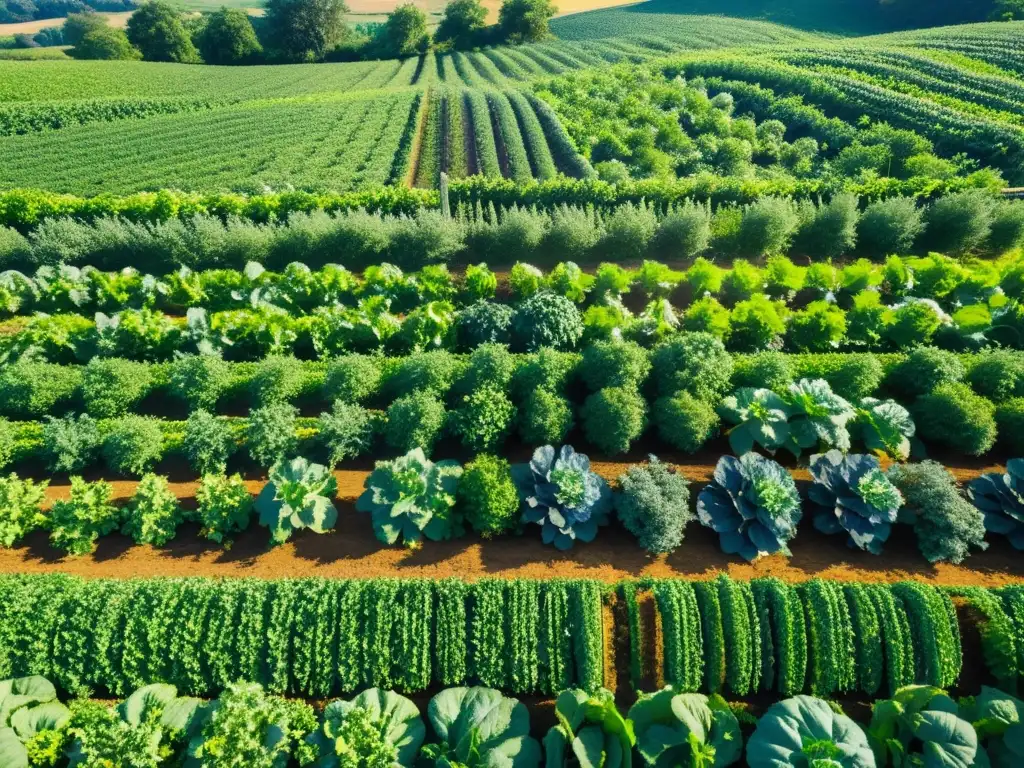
<point x="433" y="372"/>
<point x="684" y="422"/>
<point x="15" y="250"/>
<point x="32" y="390"/>
<point x="483" y="418"/>
<point x="546" y="320"/>
<point x="414" y="421"/>
<point x="113" y="387"/>
<point x="653" y="504"/>
<point x="490" y="365"/>
<point x="852" y="376"/>
<point x="548" y="369"/>
<point x="352" y="378"/>
<point x="819" y="327"/>
<point x="207" y="443"/>
<point x="693" y="362"/>
<point x="684" y="232"/>
<point x="70" y="444"/>
<point x="613" y="418"/>
<point x="573" y="233"/>
<point x="200" y="380"/>
<point x="998" y="375"/>
<point x="890" y="226"/>
<point x="487" y="496"/>
<point x="923" y="370"/>
<point x="485" y="322"/>
<point x="133" y="445"/>
<point x="742" y="281"/>
<point x="345" y="432"/>
<point x="628" y="231"/>
<point x="545" y="419"/>
<point x="767" y="227"/>
<point x="278" y="379"/>
<point x="960" y="222"/>
<point x="6" y="442"/>
<point x="832" y="231"/>
<point x="1010" y="424"/>
<point x="1007" y="227"/>
<point x="614" y="364"/>
<point x="764" y="370"/>
<point x="270" y="436"/>
<point x="955" y="417"/>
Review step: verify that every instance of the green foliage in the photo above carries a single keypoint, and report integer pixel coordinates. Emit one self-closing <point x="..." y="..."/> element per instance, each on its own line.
<point x="105" y="44"/>
<point x="207" y="443"/>
<point x="613" y="418"/>
<point x="488" y="365"/>
<point x="20" y="508"/>
<point x="684" y="422"/>
<point x="133" y="445"/>
<point x="297" y="495"/>
<point x="484" y="322"/>
<point x="952" y="415"/>
<point x="224" y="507"/>
<point x="114" y="387"/>
<point x="614" y="364"/>
<point x="34" y="390"/>
<point x="1010" y="424"/>
<point x="805" y="730"/>
<point x="696" y="363"/>
<point x="77" y="522"/>
<point x="376" y="729"/>
<point x="352" y="378"/>
<point x="158" y="31"/>
<point x="278" y="379"/>
<point x="487" y="496"/>
<point x="685" y="728"/>
<point x="523" y="21"/>
<point x="270" y="436"/>
<point x="998" y="375"/>
<point x="546" y="320"/>
<point x="924" y="369"/>
<point x="346" y="431"/>
<point x="945" y="524"/>
<point x="228" y="38"/>
<point x="818" y="327"/>
<point x="920" y="717"/>
<point x="890" y="226"/>
<point x="484" y="418"/>
<point x="590" y="732"/>
<point x="414" y="421"/>
<point x="461" y="24"/>
<point x="153" y="514"/>
<point x="70" y="444"/>
<point x="199" y="380"/>
<point x="546" y="418"/>
<point x="653" y="503"/>
<point x="768" y="370"/>
<point x="305" y="30"/>
<point x="434" y="372"/>
<point x="959" y="223"/>
<point x="756" y="324"/>
<point x="851" y="494"/>
<point x="412" y="498"/>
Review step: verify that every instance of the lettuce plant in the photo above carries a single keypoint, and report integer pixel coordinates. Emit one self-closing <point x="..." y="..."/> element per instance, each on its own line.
<point x="297" y="495"/>
<point x="805" y="731"/>
<point x="998" y="719"/>
<point x="412" y="497"/>
<point x="1000" y="497"/>
<point x="884" y="427"/>
<point x="753" y="505"/>
<point x="30" y="717"/>
<point x="852" y="494"/>
<point x="153" y="515"/>
<point x="562" y="495"/>
<point x="591" y="733"/>
<point x="20" y="508"/>
<point x="674" y="728"/>
<point x="76" y="523"/>
<point x="224" y="506"/>
<point x="920" y="725"/>
<point x="480" y="728"/>
<point x="376" y="729"/>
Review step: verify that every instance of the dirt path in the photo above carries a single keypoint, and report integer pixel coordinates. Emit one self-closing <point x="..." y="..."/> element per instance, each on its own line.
<point x="352" y="551"/>
<point x="417" y="140"/>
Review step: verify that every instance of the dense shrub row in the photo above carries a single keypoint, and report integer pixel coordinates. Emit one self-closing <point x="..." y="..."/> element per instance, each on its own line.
<point x="962" y="222"/>
<point x="316" y="637"/>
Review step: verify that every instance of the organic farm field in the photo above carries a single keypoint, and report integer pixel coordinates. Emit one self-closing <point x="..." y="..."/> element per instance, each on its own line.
<point x="650" y="393"/>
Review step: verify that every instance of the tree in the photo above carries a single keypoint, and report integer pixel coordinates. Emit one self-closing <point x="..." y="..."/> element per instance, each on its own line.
<point x="228" y="38"/>
<point x="305" y="30"/>
<point x="158" y="31"/>
<point x="76" y="25"/>
<point x="522" y="21"/>
<point x="16" y="11"/>
<point x="404" y="32"/>
<point x="105" y="42"/>
<point x="462" y="23"/>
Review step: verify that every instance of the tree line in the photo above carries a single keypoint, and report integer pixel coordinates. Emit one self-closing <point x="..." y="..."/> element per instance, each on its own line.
<point x="299" y="31"/>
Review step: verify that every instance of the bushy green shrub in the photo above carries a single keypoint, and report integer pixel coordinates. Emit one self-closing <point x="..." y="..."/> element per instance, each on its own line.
<point x="960" y="222"/>
<point x="7" y="435"/>
<point x="707" y="315"/>
<point x="20" y="508"/>
<point x="345" y="432"/>
<point x="684" y="232"/>
<point x="483" y="418"/>
<point x="489" y="365"/>
<point x="741" y="282"/>
<point x="628" y="231"/>
<point x="613" y="418"/>
<point x="911" y="324"/>
<point x="414" y="421"/>
<point x="684" y="422"/>
<point x="946" y="525"/>
<point x="70" y="444"/>
<point x="76" y="522"/>
<point x="614" y="364"/>
<point x="270" y="436"/>
<point x="207" y="443"/>
<point x="200" y="380"/>
<point x="485" y="322"/>
<point x="1007" y="227"/>
<point x="1010" y="424"/>
<point x="153" y="514"/>
<point x="693" y="362"/>
<point x="818" y="327"/>
<point x="653" y="503"/>
<point x="31" y="390"/>
<point x="852" y="376"/>
<point x="568" y="280"/>
<point x="764" y="370"/>
<point x="546" y="320"/>
<point x="755" y="324"/>
<point x="487" y="496"/>
<point x="113" y="387"/>
<point x="573" y="232"/>
<point x="433" y="372"/>
<point x="890" y="226"/>
<point x="546" y="418"/>
<point x="524" y="280"/>
<point x="831" y="231"/>
<point x="998" y="375"/>
<point x="224" y="506"/>
<point x="953" y="416"/>
<point x="767" y="227"/>
<point x="923" y="370"/>
<point x="133" y="445"/>
<point x="548" y="369"/>
<point x="782" y="278"/>
<point x="352" y="378"/>
<point x="15" y="250"/>
<point x="479" y="282"/>
<point x="278" y="379"/>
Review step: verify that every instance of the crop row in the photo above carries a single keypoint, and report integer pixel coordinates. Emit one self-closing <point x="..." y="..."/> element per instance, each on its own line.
<point x="314" y="637"/>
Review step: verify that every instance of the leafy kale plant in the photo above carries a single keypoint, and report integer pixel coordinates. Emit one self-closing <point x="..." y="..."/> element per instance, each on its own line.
<point x="1000" y="497"/>
<point x="998" y="719"/>
<point x="30" y="719"/>
<point x="376" y="729"/>
<point x="920" y="725"/>
<point x="884" y="427"/>
<point x="20" y="508"/>
<point x="674" y="728"/>
<point x="297" y="495"/>
<point x="591" y="733"/>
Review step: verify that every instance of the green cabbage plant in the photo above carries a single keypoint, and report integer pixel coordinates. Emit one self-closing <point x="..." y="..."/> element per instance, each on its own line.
<point x="806" y="732"/>
<point x="29" y="717"/>
<point x="1000" y="497"/>
<point x="412" y="497"/>
<point x="297" y="495"/>
<point x="998" y="719"/>
<point x="760" y="418"/>
<point x="884" y="427"/>
<point x="591" y="733"/>
<point x="376" y="729"/>
<point x="480" y="728"/>
<point x="920" y="726"/>
<point x="817" y="417"/>
<point x="685" y="729"/>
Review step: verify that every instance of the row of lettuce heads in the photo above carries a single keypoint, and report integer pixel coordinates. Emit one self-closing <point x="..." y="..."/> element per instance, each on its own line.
<point x="480" y="727"/>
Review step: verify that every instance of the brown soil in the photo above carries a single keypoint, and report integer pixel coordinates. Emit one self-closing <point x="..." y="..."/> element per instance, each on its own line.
<point x="417" y="141"/>
<point x="351" y="550"/>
